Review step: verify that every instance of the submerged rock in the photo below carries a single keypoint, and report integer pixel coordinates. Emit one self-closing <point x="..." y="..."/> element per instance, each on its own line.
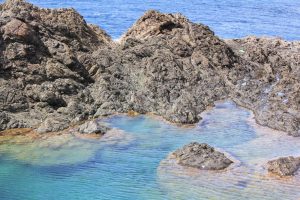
<point x="285" y="166"/>
<point x="201" y="156"/>
<point x="93" y="127"/>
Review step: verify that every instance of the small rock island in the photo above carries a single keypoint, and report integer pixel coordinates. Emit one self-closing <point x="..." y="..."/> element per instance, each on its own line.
<point x="201" y="156"/>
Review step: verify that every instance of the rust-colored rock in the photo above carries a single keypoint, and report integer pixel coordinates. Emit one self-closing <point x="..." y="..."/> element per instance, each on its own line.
<point x="17" y="29"/>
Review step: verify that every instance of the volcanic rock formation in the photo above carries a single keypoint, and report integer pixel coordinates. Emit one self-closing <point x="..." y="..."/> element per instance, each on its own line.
<point x="56" y="70"/>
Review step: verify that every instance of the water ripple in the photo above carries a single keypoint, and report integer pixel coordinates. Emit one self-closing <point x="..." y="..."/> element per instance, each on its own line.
<point x="131" y="164"/>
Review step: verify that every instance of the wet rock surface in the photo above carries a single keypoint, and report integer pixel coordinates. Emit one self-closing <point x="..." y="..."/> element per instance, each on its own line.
<point x="93" y="127"/>
<point x="201" y="156"/>
<point x="285" y="166"/>
<point x="271" y="88"/>
<point x="56" y="70"/>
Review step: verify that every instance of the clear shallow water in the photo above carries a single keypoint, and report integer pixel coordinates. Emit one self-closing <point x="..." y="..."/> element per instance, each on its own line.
<point x="131" y="164"/>
<point x="228" y="18"/>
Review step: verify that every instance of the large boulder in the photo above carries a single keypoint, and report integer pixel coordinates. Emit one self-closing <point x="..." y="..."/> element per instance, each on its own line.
<point x="285" y="166"/>
<point x="201" y="156"/>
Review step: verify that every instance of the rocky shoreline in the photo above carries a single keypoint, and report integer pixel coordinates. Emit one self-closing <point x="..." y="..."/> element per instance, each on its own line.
<point x="57" y="71"/>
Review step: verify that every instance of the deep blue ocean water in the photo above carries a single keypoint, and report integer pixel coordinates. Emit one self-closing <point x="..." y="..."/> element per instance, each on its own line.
<point x="228" y="18"/>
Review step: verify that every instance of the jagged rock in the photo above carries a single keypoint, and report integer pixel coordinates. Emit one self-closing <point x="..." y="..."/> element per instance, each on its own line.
<point x="4" y="120"/>
<point x="93" y="127"/>
<point x="40" y="52"/>
<point x="285" y="166"/>
<point x="201" y="156"/>
<point x="156" y="73"/>
<point x="271" y="88"/>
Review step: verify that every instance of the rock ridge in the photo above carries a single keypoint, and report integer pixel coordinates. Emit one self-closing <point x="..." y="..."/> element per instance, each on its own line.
<point x="56" y="70"/>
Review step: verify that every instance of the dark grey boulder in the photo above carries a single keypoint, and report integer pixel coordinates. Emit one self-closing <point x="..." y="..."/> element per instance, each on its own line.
<point x="284" y="166"/>
<point x="201" y="156"/>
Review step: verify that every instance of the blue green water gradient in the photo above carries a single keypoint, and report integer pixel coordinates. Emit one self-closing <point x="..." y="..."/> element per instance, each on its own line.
<point x="131" y="165"/>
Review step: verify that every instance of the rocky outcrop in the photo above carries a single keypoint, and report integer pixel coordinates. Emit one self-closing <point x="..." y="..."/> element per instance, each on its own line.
<point x="201" y="156"/>
<point x="164" y="63"/>
<point x="44" y="71"/>
<point x="285" y="166"/>
<point x="56" y="70"/>
<point x="271" y="88"/>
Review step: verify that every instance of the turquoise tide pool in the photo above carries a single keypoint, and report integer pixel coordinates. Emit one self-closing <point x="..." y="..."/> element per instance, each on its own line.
<point x="130" y="164"/>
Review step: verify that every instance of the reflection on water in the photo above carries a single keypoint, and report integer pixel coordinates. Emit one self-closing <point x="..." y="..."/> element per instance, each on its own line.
<point x="132" y="164"/>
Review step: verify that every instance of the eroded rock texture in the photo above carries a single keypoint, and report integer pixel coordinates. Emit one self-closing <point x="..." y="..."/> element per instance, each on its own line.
<point x="43" y="66"/>
<point x="272" y="87"/>
<point x="56" y="70"/>
<point x="93" y="127"/>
